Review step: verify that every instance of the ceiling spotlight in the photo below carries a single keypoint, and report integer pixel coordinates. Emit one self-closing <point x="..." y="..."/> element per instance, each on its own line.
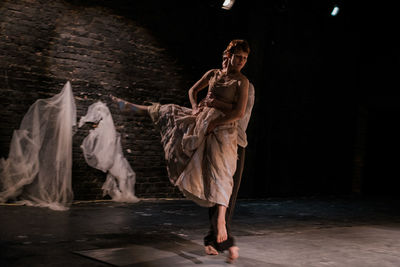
<point x="228" y="4"/>
<point x="335" y="11"/>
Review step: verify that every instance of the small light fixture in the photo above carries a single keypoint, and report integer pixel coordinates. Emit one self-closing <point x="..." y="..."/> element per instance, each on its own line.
<point x="228" y="4"/>
<point x="335" y="11"/>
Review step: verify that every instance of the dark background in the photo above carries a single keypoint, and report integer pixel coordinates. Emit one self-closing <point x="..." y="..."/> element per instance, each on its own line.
<point x="325" y="117"/>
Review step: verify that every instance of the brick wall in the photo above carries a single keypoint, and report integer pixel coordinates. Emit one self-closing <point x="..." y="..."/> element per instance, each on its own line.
<point x="304" y="65"/>
<point x="45" y="43"/>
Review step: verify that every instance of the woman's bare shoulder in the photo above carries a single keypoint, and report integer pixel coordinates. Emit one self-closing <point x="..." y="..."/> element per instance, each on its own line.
<point x="243" y="79"/>
<point x="210" y="73"/>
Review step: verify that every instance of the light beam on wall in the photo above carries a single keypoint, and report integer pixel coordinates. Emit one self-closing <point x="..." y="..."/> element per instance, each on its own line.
<point x="228" y="4"/>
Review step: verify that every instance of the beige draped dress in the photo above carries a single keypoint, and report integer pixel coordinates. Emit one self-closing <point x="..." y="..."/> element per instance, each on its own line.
<point x="201" y="165"/>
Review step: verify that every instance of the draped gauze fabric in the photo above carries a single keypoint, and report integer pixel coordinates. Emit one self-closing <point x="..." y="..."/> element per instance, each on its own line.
<point x="244" y="121"/>
<point x="38" y="169"/>
<point x="201" y="165"/>
<point x="102" y="150"/>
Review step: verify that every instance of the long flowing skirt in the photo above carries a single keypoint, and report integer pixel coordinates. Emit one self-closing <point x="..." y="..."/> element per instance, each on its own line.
<point x="201" y="165"/>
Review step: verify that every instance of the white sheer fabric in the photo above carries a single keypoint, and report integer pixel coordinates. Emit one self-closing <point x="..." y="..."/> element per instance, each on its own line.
<point x="38" y="168"/>
<point x="102" y="150"/>
<point x="244" y="122"/>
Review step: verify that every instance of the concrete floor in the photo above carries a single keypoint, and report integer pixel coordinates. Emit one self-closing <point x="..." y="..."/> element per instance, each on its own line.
<point x="337" y="231"/>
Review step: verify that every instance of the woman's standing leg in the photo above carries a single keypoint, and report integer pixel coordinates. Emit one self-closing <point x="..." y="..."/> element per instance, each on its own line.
<point x="218" y="239"/>
<point x="209" y="239"/>
<point x="222" y="234"/>
<point x="237" y="178"/>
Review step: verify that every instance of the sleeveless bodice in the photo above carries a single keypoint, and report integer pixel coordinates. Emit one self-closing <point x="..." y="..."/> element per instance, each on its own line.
<point x="224" y="89"/>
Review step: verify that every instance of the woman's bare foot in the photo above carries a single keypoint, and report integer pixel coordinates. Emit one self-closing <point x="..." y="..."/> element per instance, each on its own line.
<point x="233" y="254"/>
<point x="126" y="106"/>
<point x="210" y="250"/>
<point x="121" y="103"/>
<point x="221" y="232"/>
<point x="114" y="98"/>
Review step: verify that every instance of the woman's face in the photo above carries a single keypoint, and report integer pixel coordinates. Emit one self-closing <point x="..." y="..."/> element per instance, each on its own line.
<point x="238" y="59"/>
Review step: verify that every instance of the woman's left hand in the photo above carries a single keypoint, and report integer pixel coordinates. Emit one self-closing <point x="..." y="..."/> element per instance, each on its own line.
<point x="211" y="126"/>
<point x="213" y="102"/>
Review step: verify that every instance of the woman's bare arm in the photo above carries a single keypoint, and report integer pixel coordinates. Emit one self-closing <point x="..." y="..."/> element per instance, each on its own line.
<point x="197" y="87"/>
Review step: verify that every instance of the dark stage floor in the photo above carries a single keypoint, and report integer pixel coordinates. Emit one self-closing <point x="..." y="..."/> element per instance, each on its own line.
<point x="274" y="232"/>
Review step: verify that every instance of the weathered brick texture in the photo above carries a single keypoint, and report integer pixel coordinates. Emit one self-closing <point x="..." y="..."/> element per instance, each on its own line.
<point x="43" y="44"/>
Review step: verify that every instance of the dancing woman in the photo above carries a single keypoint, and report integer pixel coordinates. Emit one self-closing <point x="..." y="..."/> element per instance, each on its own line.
<point x="211" y="245"/>
<point x="200" y="144"/>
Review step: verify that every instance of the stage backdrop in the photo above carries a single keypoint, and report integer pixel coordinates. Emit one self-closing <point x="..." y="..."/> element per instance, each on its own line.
<point x="324" y="94"/>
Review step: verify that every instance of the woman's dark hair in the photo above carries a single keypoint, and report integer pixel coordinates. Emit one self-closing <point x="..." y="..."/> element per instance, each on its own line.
<point x="236" y="45"/>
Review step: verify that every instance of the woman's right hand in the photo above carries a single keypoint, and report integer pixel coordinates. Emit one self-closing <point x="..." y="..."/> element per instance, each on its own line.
<point x="195" y="110"/>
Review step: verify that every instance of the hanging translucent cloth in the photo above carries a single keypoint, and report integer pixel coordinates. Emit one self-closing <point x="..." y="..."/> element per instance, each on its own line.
<point x="38" y="168"/>
<point x="102" y="150"/>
